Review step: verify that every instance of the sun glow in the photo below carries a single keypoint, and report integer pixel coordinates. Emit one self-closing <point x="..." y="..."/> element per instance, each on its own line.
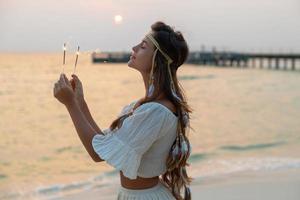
<point x="118" y="19"/>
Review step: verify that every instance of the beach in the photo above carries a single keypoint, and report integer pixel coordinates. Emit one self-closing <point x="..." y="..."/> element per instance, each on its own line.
<point x="246" y="143"/>
<point x="278" y="185"/>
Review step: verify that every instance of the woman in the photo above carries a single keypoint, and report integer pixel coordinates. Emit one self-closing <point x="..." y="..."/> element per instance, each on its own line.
<point x="148" y="139"/>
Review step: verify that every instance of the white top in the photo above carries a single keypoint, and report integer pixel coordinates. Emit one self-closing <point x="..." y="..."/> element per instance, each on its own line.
<point x="142" y="144"/>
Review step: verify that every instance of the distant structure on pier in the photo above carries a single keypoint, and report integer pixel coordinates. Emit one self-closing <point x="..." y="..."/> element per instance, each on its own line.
<point x="222" y="59"/>
<point x="234" y="59"/>
<point x="110" y="57"/>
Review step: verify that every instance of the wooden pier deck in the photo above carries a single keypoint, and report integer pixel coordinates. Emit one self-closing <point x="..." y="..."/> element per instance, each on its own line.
<point x="265" y="60"/>
<point x="222" y="59"/>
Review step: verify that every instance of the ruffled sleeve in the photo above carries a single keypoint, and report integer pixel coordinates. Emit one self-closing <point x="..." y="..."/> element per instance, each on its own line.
<point x="123" y="148"/>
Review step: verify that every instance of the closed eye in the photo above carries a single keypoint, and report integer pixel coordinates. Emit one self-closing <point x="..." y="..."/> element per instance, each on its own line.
<point x="142" y="45"/>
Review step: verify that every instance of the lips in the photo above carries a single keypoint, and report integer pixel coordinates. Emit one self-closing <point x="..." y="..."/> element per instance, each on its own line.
<point x="132" y="56"/>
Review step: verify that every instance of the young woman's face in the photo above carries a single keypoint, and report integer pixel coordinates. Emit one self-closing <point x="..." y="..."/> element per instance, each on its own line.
<point x="141" y="57"/>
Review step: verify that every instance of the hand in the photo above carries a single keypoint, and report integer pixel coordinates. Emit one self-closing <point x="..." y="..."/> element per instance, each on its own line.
<point x="77" y="88"/>
<point x="63" y="91"/>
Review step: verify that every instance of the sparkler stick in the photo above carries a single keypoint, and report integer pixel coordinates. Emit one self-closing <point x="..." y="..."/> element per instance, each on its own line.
<point x="77" y="53"/>
<point x="64" y="57"/>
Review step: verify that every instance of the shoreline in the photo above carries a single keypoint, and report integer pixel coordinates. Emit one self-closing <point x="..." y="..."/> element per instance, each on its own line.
<point x="246" y="185"/>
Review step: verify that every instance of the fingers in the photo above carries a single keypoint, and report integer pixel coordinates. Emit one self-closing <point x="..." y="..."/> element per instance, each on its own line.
<point x="76" y="79"/>
<point x="72" y="83"/>
<point x="56" y="88"/>
<point x="64" y="81"/>
<point x="74" y="76"/>
<point x="61" y="84"/>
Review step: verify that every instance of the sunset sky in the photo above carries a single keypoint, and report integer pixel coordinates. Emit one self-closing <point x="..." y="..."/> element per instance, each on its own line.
<point x="242" y="25"/>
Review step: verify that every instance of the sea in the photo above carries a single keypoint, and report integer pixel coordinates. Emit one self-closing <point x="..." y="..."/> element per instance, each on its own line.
<point x="243" y="119"/>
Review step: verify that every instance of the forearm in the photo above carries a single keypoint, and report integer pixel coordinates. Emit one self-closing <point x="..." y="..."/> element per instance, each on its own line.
<point x="84" y="130"/>
<point x="84" y="108"/>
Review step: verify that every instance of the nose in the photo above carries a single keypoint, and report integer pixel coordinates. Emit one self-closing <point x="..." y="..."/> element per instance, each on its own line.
<point x="134" y="48"/>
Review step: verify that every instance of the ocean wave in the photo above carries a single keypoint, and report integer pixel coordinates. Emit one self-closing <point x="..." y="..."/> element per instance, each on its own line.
<point x="208" y="168"/>
<point x="251" y="146"/>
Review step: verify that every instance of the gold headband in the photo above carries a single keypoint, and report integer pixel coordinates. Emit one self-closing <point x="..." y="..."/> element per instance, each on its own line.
<point x="153" y="59"/>
<point x="158" y="47"/>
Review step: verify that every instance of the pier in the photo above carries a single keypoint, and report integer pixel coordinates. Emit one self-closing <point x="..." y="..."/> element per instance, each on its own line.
<point x="221" y="59"/>
<point x="233" y="59"/>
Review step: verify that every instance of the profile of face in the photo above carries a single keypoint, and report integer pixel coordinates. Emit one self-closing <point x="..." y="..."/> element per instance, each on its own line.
<point x="141" y="57"/>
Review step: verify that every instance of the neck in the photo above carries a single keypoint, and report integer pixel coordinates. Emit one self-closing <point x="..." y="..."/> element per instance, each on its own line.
<point x="146" y="84"/>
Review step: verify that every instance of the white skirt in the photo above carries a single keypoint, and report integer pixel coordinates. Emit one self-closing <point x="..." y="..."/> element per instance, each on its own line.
<point x="158" y="192"/>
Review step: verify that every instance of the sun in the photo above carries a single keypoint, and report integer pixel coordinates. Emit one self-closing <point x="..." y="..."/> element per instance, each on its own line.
<point x="118" y="19"/>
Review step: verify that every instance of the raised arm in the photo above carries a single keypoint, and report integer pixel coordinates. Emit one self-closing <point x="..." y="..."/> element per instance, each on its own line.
<point x="84" y="129"/>
<point x="85" y="109"/>
<point x="78" y="90"/>
<point x="64" y="93"/>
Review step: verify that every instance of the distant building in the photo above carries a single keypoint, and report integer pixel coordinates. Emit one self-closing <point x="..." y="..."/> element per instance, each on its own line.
<point x="110" y="57"/>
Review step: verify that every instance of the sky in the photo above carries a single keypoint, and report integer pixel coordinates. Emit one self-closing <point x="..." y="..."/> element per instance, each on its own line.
<point x="232" y="25"/>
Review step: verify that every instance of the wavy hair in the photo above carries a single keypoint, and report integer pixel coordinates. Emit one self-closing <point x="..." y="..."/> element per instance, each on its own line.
<point x="173" y="43"/>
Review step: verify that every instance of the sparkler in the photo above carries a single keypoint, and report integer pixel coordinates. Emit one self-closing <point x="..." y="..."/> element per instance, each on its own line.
<point x="77" y="53"/>
<point x="64" y="57"/>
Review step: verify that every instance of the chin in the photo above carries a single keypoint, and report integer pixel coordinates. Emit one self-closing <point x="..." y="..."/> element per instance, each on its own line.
<point x="130" y="64"/>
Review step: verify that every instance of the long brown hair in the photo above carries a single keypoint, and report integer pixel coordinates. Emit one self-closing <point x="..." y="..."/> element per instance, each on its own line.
<point x="173" y="43"/>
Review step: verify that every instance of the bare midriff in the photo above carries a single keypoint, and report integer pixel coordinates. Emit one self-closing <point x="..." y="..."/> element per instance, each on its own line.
<point x="139" y="182"/>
